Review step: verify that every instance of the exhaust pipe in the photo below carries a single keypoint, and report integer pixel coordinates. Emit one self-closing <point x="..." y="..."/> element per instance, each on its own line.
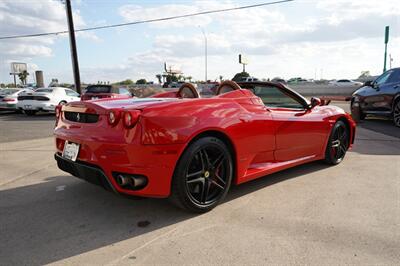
<point x="138" y="181"/>
<point x="131" y="181"/>
<point x="122" y="180"/>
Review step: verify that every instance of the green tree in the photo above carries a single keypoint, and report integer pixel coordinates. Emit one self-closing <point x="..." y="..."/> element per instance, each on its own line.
<point x="10" y="85"/>
<point x="240" y="76"/>
<point x="189" y="78"/>
<point x="23" y="76"/>
<point x="141" y="81"/>
<point x="126" y="82"/>
<point x="365" y="75"/>
<point x="171" y="78"/>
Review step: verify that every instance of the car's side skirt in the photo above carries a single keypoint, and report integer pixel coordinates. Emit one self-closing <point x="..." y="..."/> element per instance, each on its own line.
<point x="262" y="169"/>
<point x="384" y="113"/>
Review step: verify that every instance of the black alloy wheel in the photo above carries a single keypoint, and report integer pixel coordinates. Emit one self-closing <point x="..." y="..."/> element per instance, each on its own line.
<point x="356" y="112"/>
<point x="203" y="175"/>
<point x="396" y="114"/>
<point x="338" y="143"/>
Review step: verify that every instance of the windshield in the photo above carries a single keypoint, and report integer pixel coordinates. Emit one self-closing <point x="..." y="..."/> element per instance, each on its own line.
<point x="8" y="91"/>
<point x="274" y="97"/>
<point x="98" y="89"/>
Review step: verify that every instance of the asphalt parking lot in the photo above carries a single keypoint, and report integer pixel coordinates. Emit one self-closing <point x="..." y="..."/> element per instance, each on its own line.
<point x="311" y="214"/>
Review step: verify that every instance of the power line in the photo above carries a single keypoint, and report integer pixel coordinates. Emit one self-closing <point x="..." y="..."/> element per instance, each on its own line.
<point x="145" y="21"/>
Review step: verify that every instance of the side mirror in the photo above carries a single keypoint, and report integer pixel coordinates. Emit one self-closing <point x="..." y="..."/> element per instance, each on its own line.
<point x="368" y="83"/>
<point x="315" y="102"/>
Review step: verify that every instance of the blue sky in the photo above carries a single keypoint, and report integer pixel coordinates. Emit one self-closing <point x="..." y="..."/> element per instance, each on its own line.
<point x="332" y="39"/>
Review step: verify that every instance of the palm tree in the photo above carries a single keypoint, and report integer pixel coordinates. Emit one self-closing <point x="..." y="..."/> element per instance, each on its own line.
<point x="23" y="76"/>
<point x="158" y="76"/>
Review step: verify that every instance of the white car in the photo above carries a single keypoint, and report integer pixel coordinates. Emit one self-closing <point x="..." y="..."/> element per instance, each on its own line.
<point x="45" y="99"/>
<point x="8" y="100"/>
<point x="345" y="82"/>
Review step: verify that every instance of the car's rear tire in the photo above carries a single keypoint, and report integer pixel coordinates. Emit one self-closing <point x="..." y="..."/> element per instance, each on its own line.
<point x="338" y="143"/>
<point x="30" y="112"/>
<point x="202" y="176"/>
<point x="396" y="114"/>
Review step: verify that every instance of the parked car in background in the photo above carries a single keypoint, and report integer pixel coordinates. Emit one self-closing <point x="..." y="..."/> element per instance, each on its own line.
<point x="8" y="102"/>
<point x="7" y="91"/>
<point x="94" y="92"/>
<point x="249" y="79"/>
<point x="345" y="82"/>
<point x="296" y="80"/>
<point x="45" y="99"/>
<point x="279" y="80"/>
<point x="379" y="97"/>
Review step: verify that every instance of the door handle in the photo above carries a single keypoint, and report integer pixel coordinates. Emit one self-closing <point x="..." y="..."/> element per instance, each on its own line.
<point x="396" y="87"/>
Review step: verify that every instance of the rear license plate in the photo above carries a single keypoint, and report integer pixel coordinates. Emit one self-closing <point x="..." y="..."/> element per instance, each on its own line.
<point x="28" y="107"/>
<point x="70" y="151"/>
<point x="95" y="98"/>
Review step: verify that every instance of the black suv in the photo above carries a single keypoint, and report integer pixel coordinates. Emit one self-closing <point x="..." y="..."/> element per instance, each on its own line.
<point x="379" y="97"/>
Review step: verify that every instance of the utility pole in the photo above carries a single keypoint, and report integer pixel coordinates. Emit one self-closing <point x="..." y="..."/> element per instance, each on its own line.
<point x="386" y="42"/>
<point x="72" y="42"/>
<point x="205" y="54"/>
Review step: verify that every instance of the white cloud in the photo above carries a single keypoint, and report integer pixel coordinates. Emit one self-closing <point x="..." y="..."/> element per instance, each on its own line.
<point x="135" y="13"/>
<point x="302" y="38"/>
<point x="336" y="37"/>
<point x="26" y="17"/>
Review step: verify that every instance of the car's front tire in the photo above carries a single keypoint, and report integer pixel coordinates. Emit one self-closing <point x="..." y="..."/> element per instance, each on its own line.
<point x="202" y="176"/>
<point x="396" y="114"/>
<point x="338" y="143"/>
<point x="356" y="112"/>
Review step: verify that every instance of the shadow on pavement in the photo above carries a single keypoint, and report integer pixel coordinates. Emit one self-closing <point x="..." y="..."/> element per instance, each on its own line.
<point x="40" y="225"/>
<point x="381" y="125"/>
<point x="367" y="142"/>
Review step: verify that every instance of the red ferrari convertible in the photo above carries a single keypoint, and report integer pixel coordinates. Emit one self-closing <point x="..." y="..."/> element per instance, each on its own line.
<point x="192" y="149"/>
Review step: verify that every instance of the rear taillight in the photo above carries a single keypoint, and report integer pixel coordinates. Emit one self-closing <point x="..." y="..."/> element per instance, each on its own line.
<point x="113" y="117"/>
<point x="60" y="144"/>
<point x="58" y="111"/>
<point x="8" y="100"/>
<point x="130" y="118"/>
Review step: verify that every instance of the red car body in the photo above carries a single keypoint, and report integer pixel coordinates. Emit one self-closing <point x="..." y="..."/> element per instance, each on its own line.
<point x="262" y="139"/>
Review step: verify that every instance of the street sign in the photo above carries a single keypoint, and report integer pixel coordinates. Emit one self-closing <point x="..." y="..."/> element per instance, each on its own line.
<point x="17" y="68"/>
<point x="386" y="34"/>
<point x="243" y="60"/>
<point x="386" y="41"/>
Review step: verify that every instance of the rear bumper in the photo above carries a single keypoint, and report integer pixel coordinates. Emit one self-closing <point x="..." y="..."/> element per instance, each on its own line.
<point x="8" y="106"/>
<point x="85" y="171"/>
<point x="98" y="162"/>
<point x="37" y="106"/>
